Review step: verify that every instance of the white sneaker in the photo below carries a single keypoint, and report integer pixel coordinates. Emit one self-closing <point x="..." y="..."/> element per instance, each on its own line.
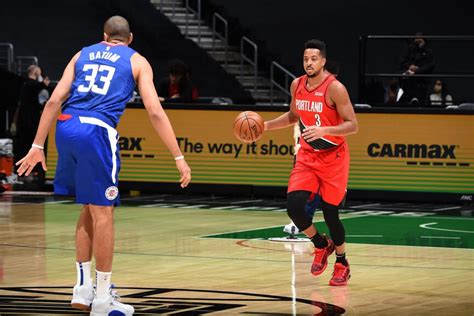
<point x="291" y="229"/>
<point x="111" y="306"/>
<point x="82" y="297"/>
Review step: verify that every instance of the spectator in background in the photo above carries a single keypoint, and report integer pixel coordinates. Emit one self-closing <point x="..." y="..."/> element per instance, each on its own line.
<point x="417" y="58"/>
<point x="178" y="87"/>
<point x="33" y="95"/>
<point x="440" y="95"/>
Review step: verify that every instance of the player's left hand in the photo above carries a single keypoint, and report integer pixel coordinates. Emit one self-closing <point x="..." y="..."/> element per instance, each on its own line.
<point x="311" y="133"/>
<point x="28" y="162"/>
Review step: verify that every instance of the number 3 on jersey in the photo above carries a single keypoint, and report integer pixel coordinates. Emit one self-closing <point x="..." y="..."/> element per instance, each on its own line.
<point x="318" y="120"/>
<point x="105" y="73"/>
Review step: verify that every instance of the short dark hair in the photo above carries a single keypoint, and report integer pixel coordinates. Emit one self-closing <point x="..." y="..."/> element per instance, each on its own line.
<point x="117" y="27"/>
<point x="317" y="44"/>
<point x="178" y="68"/>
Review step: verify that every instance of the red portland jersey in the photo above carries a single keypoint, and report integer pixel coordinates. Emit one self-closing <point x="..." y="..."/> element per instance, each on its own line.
<point x="314" y="110"/>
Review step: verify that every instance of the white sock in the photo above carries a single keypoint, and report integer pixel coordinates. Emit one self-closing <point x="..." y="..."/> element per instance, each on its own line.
<point x="103" y="283"/>
<point x="83" y="272"/>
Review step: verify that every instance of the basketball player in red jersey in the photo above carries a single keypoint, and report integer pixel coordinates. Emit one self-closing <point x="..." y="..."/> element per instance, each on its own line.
<point x="321" y="106"/>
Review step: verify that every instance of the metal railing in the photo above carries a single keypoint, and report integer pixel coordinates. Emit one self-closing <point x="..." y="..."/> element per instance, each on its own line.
<point x="224" y="38"/>
<point x="173" y="6"/>
<point x="285" y="89"/>
<point x="9" y="61"/>
<point x="197" y="13"/>
<point x="253" y="62"/>
<point x="23" y="62"/>
<point x="363" y="74"/>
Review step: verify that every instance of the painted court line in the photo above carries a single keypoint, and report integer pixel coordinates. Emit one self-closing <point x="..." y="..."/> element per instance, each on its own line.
<point x="244" y="208"/>
<point x="164" y="205"/>
<point x="150" y="205"/>
<point x="27" y="193"/>
<point x="440" y="237"/>
<point x="244" y="202"/>
<point x="365" y="205"/>
<point x="58" y="202"/>
<point x="194" y="206"/>
<point x="446" y="208"/>
<point x="222" y="207"/>
<point x="444" y="229"/>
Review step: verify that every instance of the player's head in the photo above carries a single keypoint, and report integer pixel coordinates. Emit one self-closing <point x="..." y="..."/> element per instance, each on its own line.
<point x="117" y="28"/>
<point x="314" y="57"/>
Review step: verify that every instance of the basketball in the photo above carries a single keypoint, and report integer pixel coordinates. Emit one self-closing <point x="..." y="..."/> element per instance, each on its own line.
<point x="248" y="127"/>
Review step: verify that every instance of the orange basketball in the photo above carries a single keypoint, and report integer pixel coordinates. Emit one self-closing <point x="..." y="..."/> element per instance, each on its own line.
<point x="248" y="126"/>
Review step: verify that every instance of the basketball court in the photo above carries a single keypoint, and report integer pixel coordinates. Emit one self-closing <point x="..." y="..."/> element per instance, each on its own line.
<point x="196" y="255"/>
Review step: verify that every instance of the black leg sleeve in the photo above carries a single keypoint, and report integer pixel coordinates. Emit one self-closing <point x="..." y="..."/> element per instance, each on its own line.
<point x="331" y="217"/>
<point x="296" y="208"/>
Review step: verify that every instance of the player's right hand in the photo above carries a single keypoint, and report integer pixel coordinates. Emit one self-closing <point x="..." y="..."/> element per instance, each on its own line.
<point x="184" y="171"/>
<point x="28" y="162"/>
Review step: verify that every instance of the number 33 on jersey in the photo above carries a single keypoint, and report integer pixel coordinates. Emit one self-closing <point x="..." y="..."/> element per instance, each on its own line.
<point x="106" y="73"/>
<point x="104" y="78"/>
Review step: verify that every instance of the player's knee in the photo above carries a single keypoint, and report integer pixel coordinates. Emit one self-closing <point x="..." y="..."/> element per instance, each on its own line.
<point x="296" y="208"/>
<point x="331" y="217"/>
<point x="101" y="214"/>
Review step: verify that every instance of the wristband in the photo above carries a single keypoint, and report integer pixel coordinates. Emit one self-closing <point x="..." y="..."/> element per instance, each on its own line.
<point x="37" y="146"/>
<point x="179" y="158"/>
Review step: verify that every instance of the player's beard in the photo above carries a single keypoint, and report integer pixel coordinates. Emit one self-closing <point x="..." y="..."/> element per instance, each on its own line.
<point x="314" y="74"/>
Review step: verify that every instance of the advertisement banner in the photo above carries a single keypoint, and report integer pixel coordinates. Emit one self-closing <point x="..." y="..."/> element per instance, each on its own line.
<point x="413" y="152"/>
<point x="401" y="152"/>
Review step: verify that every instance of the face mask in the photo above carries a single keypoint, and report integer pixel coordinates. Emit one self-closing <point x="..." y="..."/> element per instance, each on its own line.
<point x="40" y="79"/>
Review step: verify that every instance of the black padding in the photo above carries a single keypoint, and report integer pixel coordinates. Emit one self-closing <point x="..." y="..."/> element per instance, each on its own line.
<point x="331" y="217"/>
<point x="296" y="209"/>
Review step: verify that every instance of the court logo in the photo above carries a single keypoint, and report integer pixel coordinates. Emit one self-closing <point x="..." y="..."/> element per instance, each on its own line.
<point x="163" y="301"/>
<point x="111" y="193"/>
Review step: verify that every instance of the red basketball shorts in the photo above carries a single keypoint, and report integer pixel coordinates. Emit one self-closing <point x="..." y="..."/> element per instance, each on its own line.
<point x="324" y="172"/>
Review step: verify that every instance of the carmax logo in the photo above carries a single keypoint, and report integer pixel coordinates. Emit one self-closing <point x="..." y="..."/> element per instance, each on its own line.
<point x="412" y="151"/>
<point x="134" y="147"/>
<point x="130" y="143"/>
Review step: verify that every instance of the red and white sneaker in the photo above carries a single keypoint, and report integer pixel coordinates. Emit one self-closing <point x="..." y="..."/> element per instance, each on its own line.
<point x="341" y="275"/>
<point x="320" y="261"/>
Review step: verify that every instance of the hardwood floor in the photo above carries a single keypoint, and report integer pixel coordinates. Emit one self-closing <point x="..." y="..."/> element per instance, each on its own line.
<point x="163" y="265"/>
